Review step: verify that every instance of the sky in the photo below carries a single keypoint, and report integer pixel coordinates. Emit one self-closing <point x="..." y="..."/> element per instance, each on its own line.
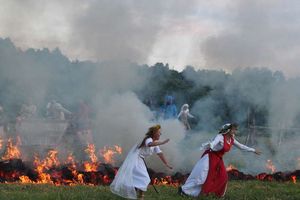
<point x="216" y="34"/>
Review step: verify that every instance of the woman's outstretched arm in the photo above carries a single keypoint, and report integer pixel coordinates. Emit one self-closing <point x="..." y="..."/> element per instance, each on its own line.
<point x="163" y="159"/>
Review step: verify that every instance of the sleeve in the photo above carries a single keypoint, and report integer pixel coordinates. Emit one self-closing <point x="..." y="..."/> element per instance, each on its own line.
<point x="190" y="115"/>
<point x="216" y="141"/>
<point x="179" y="115"/>
<point x="242" y="146"/>
<point x="157" y="149"/>
<point x="63" y="109"/>
<point x="148" y="141"/>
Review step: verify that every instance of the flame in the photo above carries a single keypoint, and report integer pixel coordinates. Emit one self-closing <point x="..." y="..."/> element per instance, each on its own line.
<point x="167" y="180"/>
<point x="294" y="179"/>
<point x="108" y="153"/>
<point x="118" y="149"/>
<point x="270" y="166"/>
<point x="71" y="161"/>
<point x="51" y="160"/>
<point x="91" y="152"/>
<point x="80" y="178"/>
<point x="25" y="179"/>
<point x="42" y="166"/>
<point x="106" y="179"/>
<point x="230" y="167"/>
<point x="12" y="151"/>
<point x="90" y="167"/>
<point x="1" y="143"/>
<point x="93" y="165"/>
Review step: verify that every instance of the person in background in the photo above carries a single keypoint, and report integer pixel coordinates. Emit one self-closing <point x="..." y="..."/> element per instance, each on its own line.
<point x="184" y="115"/>
<point x="56" y="111"/>
<point x="169" y="110"/>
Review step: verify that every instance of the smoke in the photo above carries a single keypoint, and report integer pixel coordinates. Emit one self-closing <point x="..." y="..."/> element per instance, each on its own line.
<point x="93" y="30"/>
<point x="259" y="34"/>
<point x="244" y="95"/>
<point x="215" y="34"/>
<point x="122" y="119"/>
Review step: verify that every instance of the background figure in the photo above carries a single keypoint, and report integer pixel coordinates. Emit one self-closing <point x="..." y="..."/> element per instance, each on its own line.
<point x="70" y="141"/>
<point x="169" y="109"/>
<point x="56" y="111"/>
<point x="2" y="123"/>
<point x="84" y="130"/>
<point x="28" y="110"/>
<point x="184" y="115"/>
<point x="133" y="177"/>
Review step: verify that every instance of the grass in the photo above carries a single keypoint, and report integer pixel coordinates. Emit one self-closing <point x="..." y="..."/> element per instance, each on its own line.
<point x="244" y="190"/>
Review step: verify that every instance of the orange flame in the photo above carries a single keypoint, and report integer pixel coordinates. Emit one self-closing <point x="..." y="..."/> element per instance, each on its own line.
<point x="294" y="179"/>
<point x="118" y="149"/>
<point x="25" y="179"/>
<point x="47" y="163"/>
<point x="165" y="181"/>
<point x="93" y="165"/>
<point x="109" y="152"/>
<point x="270" y="166"/>
<point x="71" y="161"/>
<point x="230" y="167"/>
<point x="12" y="151"/>
<point x="1" y="143"/>
<point x="51" y="160"/>
<point x="91" y="152"/>
<point x="90" y="167"/>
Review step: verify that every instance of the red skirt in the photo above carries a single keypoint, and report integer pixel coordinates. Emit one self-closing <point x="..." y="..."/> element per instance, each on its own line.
<point x="216" y="181"/>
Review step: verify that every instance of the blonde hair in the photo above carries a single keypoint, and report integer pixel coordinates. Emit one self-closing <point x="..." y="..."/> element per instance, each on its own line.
<point x="151" y="131"/>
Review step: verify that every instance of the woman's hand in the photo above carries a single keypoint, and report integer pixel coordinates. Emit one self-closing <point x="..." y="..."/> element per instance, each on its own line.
<point x="165" y="141"/>
<point x="258" y="152"/>
<point x="169" y="166"/>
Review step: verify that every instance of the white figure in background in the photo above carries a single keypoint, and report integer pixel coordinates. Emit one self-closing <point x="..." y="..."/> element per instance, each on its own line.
<point x="56" y="111"/>
<point x="184" y="115"/>
<point x="28" y="110"/>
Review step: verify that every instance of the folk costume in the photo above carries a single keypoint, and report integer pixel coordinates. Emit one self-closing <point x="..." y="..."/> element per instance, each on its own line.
<point x="209" y="175"/>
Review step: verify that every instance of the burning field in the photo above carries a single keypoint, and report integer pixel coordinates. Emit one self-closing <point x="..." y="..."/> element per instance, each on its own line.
<point x="49" y="177"/>
<point x="98" y="169"/>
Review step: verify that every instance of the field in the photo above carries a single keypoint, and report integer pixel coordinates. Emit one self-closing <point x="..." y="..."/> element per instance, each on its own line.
<point x="244" y="190"/>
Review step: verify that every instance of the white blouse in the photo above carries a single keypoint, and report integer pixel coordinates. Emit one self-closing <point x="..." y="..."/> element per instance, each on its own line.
<point x="218" y="143"/>
<point x="148" y="151"/>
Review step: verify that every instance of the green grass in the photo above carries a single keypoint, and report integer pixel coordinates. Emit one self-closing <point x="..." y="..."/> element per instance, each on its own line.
<point x="244" y="190"/>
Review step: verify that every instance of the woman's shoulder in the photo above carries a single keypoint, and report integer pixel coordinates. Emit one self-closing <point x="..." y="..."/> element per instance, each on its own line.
<point x="148" y="140"/>
<point x="219" y="136"/>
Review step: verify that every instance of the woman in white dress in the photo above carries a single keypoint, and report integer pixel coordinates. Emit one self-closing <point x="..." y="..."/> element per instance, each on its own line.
<point x="184" y="115"/>
<point x="132" y="178"/>
<point x="209" y="175"/>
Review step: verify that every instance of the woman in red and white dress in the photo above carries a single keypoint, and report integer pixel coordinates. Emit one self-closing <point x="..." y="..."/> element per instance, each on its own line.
<point x="209" y="175"/>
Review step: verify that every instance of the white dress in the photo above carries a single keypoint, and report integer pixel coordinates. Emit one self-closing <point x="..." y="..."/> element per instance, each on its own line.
<point x="199" y="173"/>
<point x="133" y="172"/>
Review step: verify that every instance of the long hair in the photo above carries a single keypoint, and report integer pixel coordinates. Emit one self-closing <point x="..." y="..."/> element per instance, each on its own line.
<point x="151" y="131"/>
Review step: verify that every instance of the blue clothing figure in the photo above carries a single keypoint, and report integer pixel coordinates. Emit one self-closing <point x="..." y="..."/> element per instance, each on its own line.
<point x="169" y="109"/>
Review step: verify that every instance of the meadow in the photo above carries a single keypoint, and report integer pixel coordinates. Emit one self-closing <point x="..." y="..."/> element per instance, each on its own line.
<point x="244" y="190"/>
